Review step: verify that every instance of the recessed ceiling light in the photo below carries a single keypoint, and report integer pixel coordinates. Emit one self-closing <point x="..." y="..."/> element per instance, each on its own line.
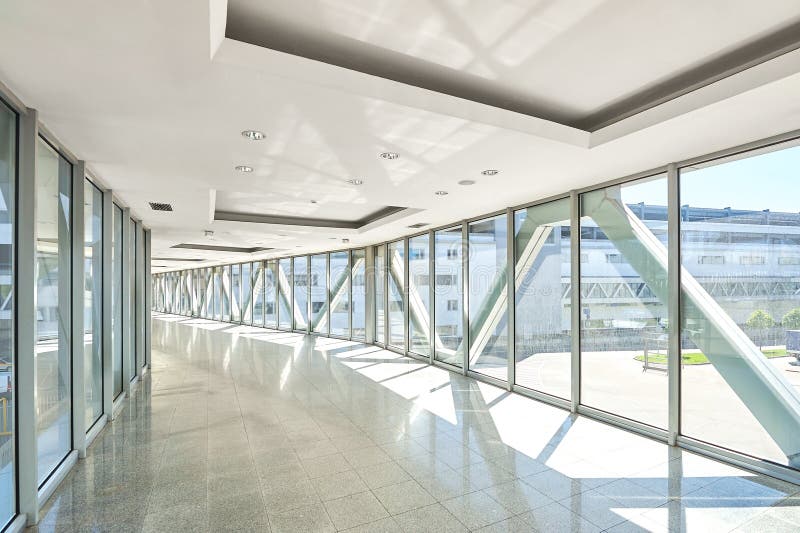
<point x="313" y="201"/>
<point x="253" y="135"/>
<point x="355" y="181"/>
<point x="244" y="168"/>
<point x="490" y="172"/>
<point x="440" y="193"/>
<point x="466" y="182"/>
<point x="390" y="155"/>
<point x="345" y="241"/>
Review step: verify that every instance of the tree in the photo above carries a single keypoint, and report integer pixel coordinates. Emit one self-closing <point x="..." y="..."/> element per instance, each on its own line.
<point x="760" y="320"/>
<point x="791" y="320"/>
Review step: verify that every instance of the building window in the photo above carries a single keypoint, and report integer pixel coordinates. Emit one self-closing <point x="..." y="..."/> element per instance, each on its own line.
<point x="711" y="260"/>
<point x="452" y="253"/>
<point x="751" y="260"/>
<point x="789" y="260"/>
<point x="316" y="306"/>
<point x="452" y="305"/>
<point x="446" y="279"/>
<point x="614" y="258"/>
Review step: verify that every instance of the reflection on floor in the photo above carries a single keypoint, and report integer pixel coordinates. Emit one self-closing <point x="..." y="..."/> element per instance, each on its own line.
<point x="245" y="429"/>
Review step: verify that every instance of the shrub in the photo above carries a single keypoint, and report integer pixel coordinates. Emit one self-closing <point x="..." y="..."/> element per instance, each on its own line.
<point x="791" y="320"/>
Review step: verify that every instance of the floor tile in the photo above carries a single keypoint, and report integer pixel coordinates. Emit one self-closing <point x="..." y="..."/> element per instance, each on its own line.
<point x="476" y="510"/>
<point x="432" y="519"/>
<point x="339" y="485"/>
<point x="311" y="519"/>
<point x="355" y="510"/>
<point x="403" y="497"/>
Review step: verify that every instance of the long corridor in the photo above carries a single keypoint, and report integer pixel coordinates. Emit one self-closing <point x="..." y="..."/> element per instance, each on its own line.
<point x="245" y="429"/>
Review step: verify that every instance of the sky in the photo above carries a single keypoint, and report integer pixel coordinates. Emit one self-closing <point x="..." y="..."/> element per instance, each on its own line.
<point x="765" y="181"/>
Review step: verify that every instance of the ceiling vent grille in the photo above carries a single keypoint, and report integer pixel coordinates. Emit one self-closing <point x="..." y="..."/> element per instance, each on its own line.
<point x="418" y="225"/>
<point x="159" y="206"/>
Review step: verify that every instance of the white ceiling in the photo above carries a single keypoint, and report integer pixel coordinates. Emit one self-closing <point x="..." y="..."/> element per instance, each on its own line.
<point x="153" y="97"/>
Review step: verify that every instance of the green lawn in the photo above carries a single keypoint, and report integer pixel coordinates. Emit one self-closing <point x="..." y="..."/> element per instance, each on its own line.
<point x="697" y="358"/>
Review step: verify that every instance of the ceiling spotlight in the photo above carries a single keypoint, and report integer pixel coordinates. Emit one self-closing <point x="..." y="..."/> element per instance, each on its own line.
<point x="253" y="135"/>
<point x="244" y="168"/>
<point x="355" y="181"/>
<point x="440" y="193"/>
<point x="345" y="241"/>
<point x="390" y="155"/>
<point x="208" y="233"/>
<point x="313" y="201"/>
<point x="466" y="182"/>
<point x="490" y="172"/>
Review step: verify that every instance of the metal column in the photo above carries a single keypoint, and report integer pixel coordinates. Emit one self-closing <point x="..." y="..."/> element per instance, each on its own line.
<point x="673" y="303"/>
<point x="575" y="298"/>
<point x="78" y="343"/>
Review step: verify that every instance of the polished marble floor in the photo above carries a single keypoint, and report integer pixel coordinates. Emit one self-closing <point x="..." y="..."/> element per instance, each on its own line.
<point x="245" y="429"/>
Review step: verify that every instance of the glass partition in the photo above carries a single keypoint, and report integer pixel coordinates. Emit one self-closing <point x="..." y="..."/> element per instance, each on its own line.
<point x="285" y="293"/>
<point x="488" y="297"/>
<point x="116" y="299"/>
<point x="132" y="261"/>
<point x="340" y="294"/>
<point x="53" y="355"/>
<point x="93" y="302"/>
<point x="319" y="294"/>
<point x="740" y="313"/>
<point x="380" y="294"/>
<point x="396" y="279"/>
<point x="419" y="295"/>
<point x="448" y="297"/>
<point x="301" y="281"/>
<point x="623" y="300"/>
<point x="542" y="312"/>
<point x="8" y="167"/>
<point x="257" y="295"/>
<point x="270" y="294"/>
<point x="226" y="293"/>
<point x="359" y="295"/>
<point x="217" y="292"/>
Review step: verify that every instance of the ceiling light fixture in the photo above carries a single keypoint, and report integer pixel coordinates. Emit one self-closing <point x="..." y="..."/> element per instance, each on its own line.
<point x="253" y="135"/>
<point x="440" y="193"/>
<point x="345" y="241"/>
<point x="244" y="168"/>
<point x="490" y="172"/>
<point x="466" y="182"/>
<point x="390" y="155"/>
<point x="355" y="181"/>
<point x="313" y="201"/>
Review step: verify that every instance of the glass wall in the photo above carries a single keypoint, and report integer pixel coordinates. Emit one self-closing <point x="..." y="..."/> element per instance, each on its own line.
<point x="217" y="292"/>
<point x="247" y="292"/>
<point x="448" y="297"/>
<point x="623" y="247"/>
<point x="542" y="312"/>
<point x="53" y="357"/>
<point x="116" y="298"/>
<point x="319" y="293"/>
<point x="271" y="294"/>
<point x="236" y="293"/>
<point x="380" y="294"/>
<point x="358" y="275"/>
<point x="419" y="295"/>
<point x="226" y="293"/>
<point x="258" y="293"/>
<point x="93" y="301"/>
<point x="740" y="252"/>
<point x="488" y="297"/>
<point x="340" y="294"/>
<point x="396" y="288"/>
<point x="132" y="300"/>
<point x="8" y="169"/>
<point x="285" y="293"/>
<point x="300" y="282"/>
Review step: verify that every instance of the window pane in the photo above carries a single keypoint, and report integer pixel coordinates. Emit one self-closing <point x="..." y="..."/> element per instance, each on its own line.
<point x="300" y="280"/>
<point x="270" y="294"/>
<point x="258" y="293"/>
<point x="319" y="293"/>
<point x="132" y="299"/>
<point x="247" y="293"/>
<point x="340" y="294"/>
<point x="93" y="301"/>
<point x="448" y="298"/>
<point x="359" y="292"/>
<point x="217" y="293"/>
<point x="285" y="293"/>
<point x="623" y="300"/>
<point x="53" y="358"/>
<point x="226" y="293"/>
<point x="380" y="295"/>
<point x="8" y="163"/>
<point x="740" y="317"/>
<point x="396" y="274"/>
<point x="116" y="299"/>
<point x="488" y="305"/>
<point x="419" y="307"/>
<point x="543" y="322"/>
<point x="236" y="292"/>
